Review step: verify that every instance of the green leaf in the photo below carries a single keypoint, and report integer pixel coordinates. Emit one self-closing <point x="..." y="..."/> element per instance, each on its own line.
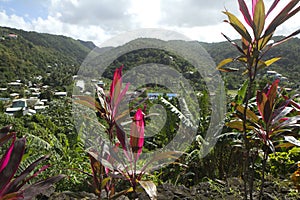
<point x="242" y="93"/>
<point x="184" y="114"/>
<point x="259" y="18"/>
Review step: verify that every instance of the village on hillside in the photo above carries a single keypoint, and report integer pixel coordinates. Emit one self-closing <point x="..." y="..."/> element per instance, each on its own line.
<point x="27" y="99"/>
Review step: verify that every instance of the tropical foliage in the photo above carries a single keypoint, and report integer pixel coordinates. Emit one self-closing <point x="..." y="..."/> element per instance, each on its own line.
<point x="15" y="186"/>
<point x="260" y="141"/>
<point x="252" y="51"/>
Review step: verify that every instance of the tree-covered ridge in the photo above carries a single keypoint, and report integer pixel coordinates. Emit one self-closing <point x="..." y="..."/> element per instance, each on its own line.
<point x="288" y="65"/>
<point x="25" y="55"/>
<point x="34" y="54"/>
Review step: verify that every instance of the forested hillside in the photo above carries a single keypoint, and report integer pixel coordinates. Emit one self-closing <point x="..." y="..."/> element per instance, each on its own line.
<point x="26" y="55"/>
<point x="288" y="65"/>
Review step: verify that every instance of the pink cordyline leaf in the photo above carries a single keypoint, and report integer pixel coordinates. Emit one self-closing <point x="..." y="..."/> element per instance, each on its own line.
<point x="116" y="85"/>
<point x="5" y="159"/>
<point x="254" y="2"/>
<point x="273" y="89"/>
<point x="119" y="99"/>
<point x="137" y="134"/>
<point x="116" y="94"/>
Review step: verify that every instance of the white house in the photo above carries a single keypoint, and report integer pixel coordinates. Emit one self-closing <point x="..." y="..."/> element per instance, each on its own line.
<point x="19" y="105"/>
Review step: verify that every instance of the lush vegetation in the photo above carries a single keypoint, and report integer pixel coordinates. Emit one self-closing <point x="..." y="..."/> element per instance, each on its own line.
<point x="259" y="143"/>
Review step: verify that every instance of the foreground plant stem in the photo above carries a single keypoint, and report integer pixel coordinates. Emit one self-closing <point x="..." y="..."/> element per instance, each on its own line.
<point x="248" y="166"/>
<point x="264" y="163"/>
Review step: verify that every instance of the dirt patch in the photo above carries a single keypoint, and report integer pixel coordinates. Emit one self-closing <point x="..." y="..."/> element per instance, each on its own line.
<point x="209" y="190"/>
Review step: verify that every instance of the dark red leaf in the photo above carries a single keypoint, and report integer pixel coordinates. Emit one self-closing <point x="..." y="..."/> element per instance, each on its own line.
<point x="40" y="187"/>
<point x="15" y="185"/>
<point x="272" y="7"/>
<point x="245" y="12"/>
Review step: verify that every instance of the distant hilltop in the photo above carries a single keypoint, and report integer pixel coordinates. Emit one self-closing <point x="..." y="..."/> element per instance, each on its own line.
<point x="56" y="58"/>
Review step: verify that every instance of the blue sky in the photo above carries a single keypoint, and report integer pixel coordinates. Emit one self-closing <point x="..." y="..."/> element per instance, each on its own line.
<point x="30" y="9"/>
<point x="99" y="20"/>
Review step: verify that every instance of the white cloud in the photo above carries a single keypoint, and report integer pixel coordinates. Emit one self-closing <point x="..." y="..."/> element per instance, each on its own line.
<point x="193" y="13"/>
<point x="13" y="21"/>
<point x="99" y="20"/>
<point x="108" y="14"/>
<point x="145" y="13"/>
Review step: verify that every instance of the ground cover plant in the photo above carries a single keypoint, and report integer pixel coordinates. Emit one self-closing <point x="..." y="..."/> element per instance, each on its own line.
<point x="13" y="186"/>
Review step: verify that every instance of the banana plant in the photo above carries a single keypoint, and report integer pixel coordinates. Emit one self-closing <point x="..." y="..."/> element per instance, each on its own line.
<point x="18" y="187"/>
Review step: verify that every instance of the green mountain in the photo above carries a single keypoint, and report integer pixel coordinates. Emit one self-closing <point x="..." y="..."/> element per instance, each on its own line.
<point x="288" y="66"/>
<point x="27" y="55"/>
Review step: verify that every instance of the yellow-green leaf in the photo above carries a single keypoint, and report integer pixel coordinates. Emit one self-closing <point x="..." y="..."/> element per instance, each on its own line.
<point x="263" y="64"/>
<point x="285" y="145"/>
<point x="259" y="18"/>
<point x="263" y="41"/>
<point x="271" y="61"/>
<point x="249" y="113"/>
<point x="238" y="26"/>
<point x="224" y="62"/>
<point x="235" y="125"/>
<point x="104" y="181"/>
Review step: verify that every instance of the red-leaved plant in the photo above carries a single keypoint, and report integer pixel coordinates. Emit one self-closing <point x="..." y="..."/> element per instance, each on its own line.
<point x="256" y="40"/>
<point x="107" y="161"/>
<point x="18" y="187"/>
<point x="273" y="121"/>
